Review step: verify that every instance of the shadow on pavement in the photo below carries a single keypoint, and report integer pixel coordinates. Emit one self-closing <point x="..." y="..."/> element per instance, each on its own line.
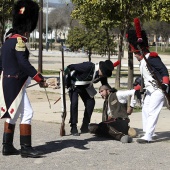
<point x="161" y="136"/>
<point x="58" y="145"/>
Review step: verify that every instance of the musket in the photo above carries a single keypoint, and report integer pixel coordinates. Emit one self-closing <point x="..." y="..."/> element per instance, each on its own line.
<point x="63" y="97"/>
<point x="96" y="79"/>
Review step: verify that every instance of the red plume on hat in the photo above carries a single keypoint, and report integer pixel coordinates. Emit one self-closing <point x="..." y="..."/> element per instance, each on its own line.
<point x="137" y="37"/>
<point x="138" y="29"/>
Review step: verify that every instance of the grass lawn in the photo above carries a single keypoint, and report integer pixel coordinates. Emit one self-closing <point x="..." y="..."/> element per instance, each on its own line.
<point x="159" y="51"/>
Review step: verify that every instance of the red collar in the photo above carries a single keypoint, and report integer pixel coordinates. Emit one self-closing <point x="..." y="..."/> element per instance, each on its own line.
<point x="17" y="35"/>
<point x="153" y="54"/>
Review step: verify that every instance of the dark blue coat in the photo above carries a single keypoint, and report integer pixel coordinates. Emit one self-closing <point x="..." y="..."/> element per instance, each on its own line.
<point x="16" y="69"/>
<point x="158" y="66"/>
<point x="84" y="72"/>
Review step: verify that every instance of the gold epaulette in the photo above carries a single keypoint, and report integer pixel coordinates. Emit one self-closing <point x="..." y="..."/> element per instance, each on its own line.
<point x="20" y="46"/>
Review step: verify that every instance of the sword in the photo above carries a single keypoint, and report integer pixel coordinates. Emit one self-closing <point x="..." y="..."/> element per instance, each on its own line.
<point x="45" y="93"/>
<point x="47" y="98"/>
<point x="32" y="85"/>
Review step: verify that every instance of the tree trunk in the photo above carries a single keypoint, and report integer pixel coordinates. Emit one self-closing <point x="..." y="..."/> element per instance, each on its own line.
<point x="2" y="32"/>
<point x="89" y="53"/>
<point x="117" y="80"/>
<point x="108" y="42"/>
<point x="130" y="70"/>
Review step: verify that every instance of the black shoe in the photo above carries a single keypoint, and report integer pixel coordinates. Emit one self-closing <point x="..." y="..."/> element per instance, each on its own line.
<point x="84" y="128"/>
<point x="8" y="149"/>
<point x="29" y="151"/>
<point x="142" y="141"/>
<point x="74" y="131"/>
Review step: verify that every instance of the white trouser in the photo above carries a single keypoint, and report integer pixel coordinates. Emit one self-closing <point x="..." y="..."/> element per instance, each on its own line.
<point x="25" y="111"/>
<point x="153" y="103"/>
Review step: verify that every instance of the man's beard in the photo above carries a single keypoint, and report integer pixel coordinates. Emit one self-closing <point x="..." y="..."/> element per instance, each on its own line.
<point x="105" y="97"/>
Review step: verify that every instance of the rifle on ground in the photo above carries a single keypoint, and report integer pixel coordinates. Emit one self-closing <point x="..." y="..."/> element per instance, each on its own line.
<point x="167" y="96"/>
<point x="63" y="97"/>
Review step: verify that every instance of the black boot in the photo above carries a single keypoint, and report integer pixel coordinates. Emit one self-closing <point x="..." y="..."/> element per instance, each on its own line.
<point x="115" y="133"/>
<point x="25" y="141"/>
<point x="74" y="130"/>
<point x="8" y="148"/>
<point x="84" y="128"/>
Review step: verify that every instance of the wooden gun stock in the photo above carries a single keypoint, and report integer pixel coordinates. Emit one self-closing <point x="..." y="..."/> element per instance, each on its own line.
<point x="62" y="129"/>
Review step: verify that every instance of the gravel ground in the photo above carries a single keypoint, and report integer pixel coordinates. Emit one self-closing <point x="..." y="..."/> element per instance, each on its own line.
<point x="87" y="152"/>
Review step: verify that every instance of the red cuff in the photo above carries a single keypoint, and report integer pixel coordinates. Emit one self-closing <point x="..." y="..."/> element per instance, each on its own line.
<point x="137" y="87"/>
<point x="38" y="77"/>
<point x="165" y="80"/>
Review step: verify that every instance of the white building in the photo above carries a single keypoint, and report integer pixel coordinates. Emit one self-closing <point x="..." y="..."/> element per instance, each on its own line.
<point x="61" y="34"/>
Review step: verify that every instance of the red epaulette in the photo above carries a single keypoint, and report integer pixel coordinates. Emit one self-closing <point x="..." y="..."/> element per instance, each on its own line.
<point x="153" y="54"/>
<point x="17" y="35"/>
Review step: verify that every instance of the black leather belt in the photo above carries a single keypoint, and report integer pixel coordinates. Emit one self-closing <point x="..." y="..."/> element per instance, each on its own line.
<point x="11" y="76"/>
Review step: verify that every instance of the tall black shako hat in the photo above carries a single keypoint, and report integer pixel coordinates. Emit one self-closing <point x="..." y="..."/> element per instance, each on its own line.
<point x="107" y="67"/>
<point x="137" y="37"/>
<point x="25" y="16"/>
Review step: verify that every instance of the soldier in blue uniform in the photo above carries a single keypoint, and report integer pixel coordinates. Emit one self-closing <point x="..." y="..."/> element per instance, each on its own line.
<point x="15" y="76"/>
<point x="80" y="79"/>
<point x="154" y="95"/>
